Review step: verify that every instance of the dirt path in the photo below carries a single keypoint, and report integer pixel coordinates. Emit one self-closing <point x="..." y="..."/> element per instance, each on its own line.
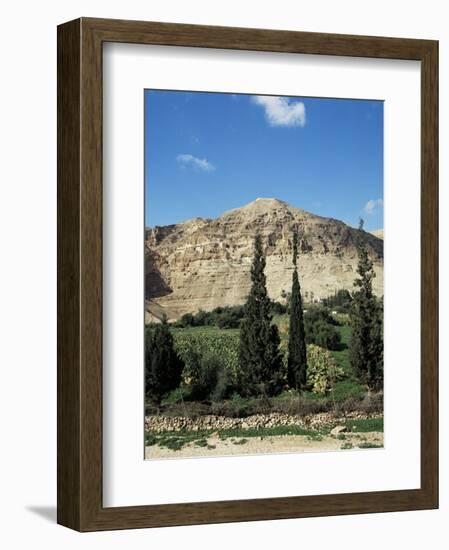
<point x="268" y="444"/>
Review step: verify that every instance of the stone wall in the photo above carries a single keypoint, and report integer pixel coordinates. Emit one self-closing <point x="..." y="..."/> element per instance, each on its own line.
<point x="159" y="424"/>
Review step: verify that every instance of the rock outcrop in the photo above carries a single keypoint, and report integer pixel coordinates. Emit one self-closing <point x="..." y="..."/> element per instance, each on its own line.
<point x="205" y="263"/>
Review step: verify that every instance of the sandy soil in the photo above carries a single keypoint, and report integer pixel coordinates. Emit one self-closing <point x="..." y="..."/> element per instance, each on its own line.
<point x="267" y="444"/>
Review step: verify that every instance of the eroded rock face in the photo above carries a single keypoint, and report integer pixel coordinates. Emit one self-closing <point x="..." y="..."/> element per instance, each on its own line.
<point x="203" y="263"/>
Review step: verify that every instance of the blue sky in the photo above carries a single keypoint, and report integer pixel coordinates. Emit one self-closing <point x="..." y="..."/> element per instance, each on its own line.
<point x="206" y="153"/>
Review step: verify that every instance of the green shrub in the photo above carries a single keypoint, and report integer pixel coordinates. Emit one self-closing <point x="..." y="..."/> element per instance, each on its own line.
<point x="315" y="314"/>
<point x="177" y="396"/>
<point x="322" y="371"/>
<point x="210" y="379"/>
<point x="368" y="445"/>
<point x="340" y="301"/>
<point x="223" y="317"/>
<point x="229" y="319"/>
<point x="363" y="425"/>
<point x="211" y="362"/>
<point x="223" y="344"/>
<point x="321" y="328"/>
<point x="278" y="309"/>
<point x="322" y="334"/>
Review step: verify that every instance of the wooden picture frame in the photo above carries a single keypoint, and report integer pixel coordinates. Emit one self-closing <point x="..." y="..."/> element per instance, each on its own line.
<point x="80" y="504"/>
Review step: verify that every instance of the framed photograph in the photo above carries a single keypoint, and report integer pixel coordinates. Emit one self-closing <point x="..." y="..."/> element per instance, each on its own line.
<point x="247" y="274"/>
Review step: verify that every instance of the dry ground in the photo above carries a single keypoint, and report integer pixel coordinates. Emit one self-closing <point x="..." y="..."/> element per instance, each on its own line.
<point x="269" y="444"/>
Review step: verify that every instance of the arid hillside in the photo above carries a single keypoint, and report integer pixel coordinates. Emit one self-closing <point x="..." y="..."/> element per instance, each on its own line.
<point x="205" y="263"/>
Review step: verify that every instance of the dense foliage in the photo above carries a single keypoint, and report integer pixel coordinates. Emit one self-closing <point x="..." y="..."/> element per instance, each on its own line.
<point x="366" y="349"/>
<point x="315" y="314"/>
<point x="222" y="317"/>
<point x="322" y="370"/>
<point x="260" y="356"/>
<point x="340" y="301"/>
<point x="231" y="357"/>
<point x="211" y="360"/>
<point x="320" y="328"/>
<point x="163" y="366"/>
<point x="297" y="355"/>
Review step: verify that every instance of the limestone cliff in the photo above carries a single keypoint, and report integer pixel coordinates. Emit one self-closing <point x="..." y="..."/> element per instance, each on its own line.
<point x="205" y="263"/>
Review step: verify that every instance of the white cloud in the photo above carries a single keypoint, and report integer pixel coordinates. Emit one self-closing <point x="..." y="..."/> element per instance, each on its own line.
<point x="372" y="204"/>
<point x="280" y="111"/>
<point x="195" y="162"/>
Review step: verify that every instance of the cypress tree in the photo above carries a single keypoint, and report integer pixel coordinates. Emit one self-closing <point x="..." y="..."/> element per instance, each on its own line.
<point x="259" y="353"/>
<point x="366" y="347"/>
<point x="163" y="367"/>
<point x="297" y="356"/>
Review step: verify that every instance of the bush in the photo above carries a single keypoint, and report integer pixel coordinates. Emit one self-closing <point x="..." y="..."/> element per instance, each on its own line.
<point x="322" y="334"/>
<point x="177" y="395"/>
<point x="223" y="317"/>
<point x="210" y="379"/>
<point x="372" y="403"/>
<point x="238" y="407"/>
<point x="340" y="301"/>
<point x="320" y="328"/>
<point x="322" y="371"/>
<point x="293" y="402"/>
<point x="187" y="320"/>
<point x="278" y="309"/>
<point x="315" y="314"/>
<point x="229" y="319"/>
<point x="211" y="362"/>
<point x="224" y="345"/>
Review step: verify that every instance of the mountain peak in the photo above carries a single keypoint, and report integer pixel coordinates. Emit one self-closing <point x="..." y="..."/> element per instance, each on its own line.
<point x="269" y="200"/>
<point x="267" y="203"/>
<point x="260" y="206"/>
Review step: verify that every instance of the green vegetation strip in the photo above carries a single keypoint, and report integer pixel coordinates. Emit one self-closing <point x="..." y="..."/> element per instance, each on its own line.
<point x="365" y="425"/>
<point x="177" y="440"/>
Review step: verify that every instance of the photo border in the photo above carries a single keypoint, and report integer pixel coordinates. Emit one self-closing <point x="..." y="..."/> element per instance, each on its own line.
<point x="80" y="274"/>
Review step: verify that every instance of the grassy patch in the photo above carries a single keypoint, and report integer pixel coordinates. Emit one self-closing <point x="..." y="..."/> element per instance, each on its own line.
<point x="174" y="443"/>
<point x="150" y="439"/>
<point x="365" y="425"/>
<point x="274" y="431"/>
<point x="282" y="322"/>
<point x="368" y="445"/>
<point x="342" y="355"/>
<point x="176" y="396"/>
<point x="348" y="389"/>
<point x="346" y="446"/>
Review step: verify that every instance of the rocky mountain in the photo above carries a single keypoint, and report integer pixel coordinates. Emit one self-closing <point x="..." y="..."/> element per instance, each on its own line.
<point x="205" y="263"/>
<point x="379" y="233"/>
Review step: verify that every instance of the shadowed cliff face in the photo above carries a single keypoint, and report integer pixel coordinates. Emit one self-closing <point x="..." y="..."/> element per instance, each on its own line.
<point x="203" y="264"/>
